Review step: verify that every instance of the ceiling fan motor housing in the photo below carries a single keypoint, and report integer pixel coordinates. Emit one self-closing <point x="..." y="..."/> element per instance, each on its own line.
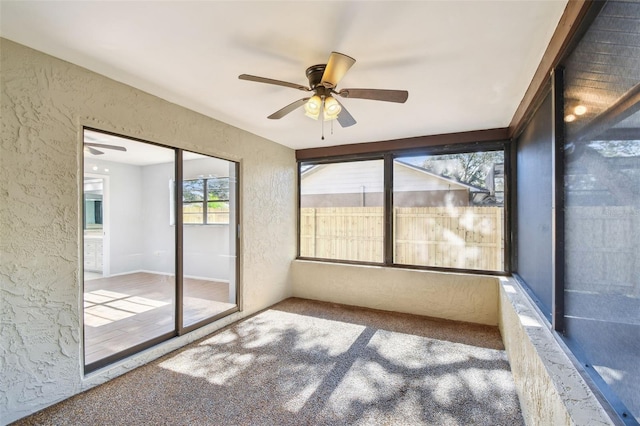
<point x="314" y="74"/>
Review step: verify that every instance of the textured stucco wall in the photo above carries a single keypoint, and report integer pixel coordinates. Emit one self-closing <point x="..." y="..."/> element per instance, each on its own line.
<point x="550" y="389"/>
<point x="460" y="297"/>
<point x="45" y="101"/>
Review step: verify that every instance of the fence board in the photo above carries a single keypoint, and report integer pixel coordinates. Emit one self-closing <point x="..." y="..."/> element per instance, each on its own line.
<point x="457" y="237"/>
<point x="602" y="249"/>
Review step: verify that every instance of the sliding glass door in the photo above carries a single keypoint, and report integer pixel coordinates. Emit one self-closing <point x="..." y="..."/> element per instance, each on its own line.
<point x="139" y="205"/>
<point x="129" y="247"/>
<point x="209" y="235"/>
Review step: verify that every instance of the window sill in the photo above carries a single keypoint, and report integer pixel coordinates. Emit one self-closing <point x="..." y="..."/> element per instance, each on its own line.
<point x="550" y="387"/>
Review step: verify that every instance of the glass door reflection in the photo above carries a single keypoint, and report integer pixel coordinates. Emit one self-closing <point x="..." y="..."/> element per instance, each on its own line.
<point x="129" y="247"/>
<point x="209" y="235"/>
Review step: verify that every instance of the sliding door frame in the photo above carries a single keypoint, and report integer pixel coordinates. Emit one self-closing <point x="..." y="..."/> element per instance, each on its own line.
<point x="179" y="328"/>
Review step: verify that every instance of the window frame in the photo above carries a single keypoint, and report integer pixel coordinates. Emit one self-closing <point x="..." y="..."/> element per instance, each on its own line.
<point x="205" y="200"/>
<point x="389" y="156"/>
<point x="554" y="83"/>
<point x="176" y="221"/>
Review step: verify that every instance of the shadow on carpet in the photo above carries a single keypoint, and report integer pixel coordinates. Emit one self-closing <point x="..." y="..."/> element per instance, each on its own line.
<point x="302" y="362"/>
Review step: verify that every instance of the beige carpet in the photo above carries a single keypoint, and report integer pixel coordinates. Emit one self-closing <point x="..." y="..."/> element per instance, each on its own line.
<point x="310" y="363"/>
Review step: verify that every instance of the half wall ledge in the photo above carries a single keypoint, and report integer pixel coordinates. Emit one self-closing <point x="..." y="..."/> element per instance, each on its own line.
<point x="550" y="388"/>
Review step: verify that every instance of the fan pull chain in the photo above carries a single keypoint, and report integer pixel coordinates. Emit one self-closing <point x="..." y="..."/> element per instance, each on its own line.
<point x="322" y="117"/>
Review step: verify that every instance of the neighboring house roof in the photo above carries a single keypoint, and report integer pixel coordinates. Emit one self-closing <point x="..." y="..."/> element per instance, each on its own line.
<point x="472" y="188"/>
<point x="374" y="184"/>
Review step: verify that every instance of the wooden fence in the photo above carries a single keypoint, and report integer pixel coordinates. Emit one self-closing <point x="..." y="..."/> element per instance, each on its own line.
<point x="602" y="249"/>
<point x="346" y="233"/>
<point x="455" y="237"/>
<point x="192" y="214"/>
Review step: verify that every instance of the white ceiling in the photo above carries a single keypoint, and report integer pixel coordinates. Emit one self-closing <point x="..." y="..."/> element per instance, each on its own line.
<point x="466" y="64"/>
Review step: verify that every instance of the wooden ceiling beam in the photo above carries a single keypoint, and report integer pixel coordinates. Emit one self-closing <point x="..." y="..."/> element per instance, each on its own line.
<point x="573" y="15"/>
<point x="490" y="135"/>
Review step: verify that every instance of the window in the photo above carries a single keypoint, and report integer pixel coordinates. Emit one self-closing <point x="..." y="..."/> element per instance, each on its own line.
<point x="535" y="195"/>
<point x="448" y="210"/>
<point x="437" y="210"/>
<point x="578" y="236"/>
<point x="341" y="211"/>
<point x="205" y="201"/>
<point x="601" y="211"/>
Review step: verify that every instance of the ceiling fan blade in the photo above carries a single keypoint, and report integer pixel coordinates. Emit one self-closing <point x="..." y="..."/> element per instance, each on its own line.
<point x="336" y="68"/>
<point x="286" y="110"/>
<point x="106" y="146"/>
<point x="399" y="96"/>
<point x="272" y="81"/>
<point x="93" y="150"/>
<point x="344" y="118"/>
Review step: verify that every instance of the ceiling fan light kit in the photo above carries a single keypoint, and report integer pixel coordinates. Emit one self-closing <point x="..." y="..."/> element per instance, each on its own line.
<point x="323" y="81"/>
<point x="313" y="106"/>
<point x="331" y="108"/>
<point x="327" y="106"/>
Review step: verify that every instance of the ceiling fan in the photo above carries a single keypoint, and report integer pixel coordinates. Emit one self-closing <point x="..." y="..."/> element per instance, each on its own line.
<point x="90" y="147"/>
<point x="323" y="82"/>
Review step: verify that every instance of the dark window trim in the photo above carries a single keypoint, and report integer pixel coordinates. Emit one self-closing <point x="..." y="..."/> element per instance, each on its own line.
<point x="459" y="148"/>
<point x="106" y="361"/>
<point x="388" y="242"/>
<point x="557" y="200"/>
<point x="206" y="321"/>
<point x="179" y="243"/>
<point x="410" y="267"/>
<point x="407" y="144"/>
<point x="388" y="157"/>
<point x="298" y="207"/>
<point x="509" y="186"/>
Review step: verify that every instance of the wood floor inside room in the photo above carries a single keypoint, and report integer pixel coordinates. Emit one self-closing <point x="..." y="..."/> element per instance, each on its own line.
<point x="126" y="310"/>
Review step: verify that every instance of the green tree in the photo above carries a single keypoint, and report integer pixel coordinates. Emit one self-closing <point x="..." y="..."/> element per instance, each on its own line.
<point x="471" y="168"/>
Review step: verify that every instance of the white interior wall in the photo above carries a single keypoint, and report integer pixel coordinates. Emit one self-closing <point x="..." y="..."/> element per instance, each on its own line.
<point x="45" y="102"/>
<point x="206" y="248"/>
<point x="159" y="235"/>
<point x="206" y="252"/>
<point x="126" y="227"/>
<point x="127" y="232"/>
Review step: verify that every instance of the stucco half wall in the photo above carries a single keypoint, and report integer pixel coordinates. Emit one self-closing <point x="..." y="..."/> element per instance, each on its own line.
<point x="459" y="297"/>
<point x="550" y="388"/>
